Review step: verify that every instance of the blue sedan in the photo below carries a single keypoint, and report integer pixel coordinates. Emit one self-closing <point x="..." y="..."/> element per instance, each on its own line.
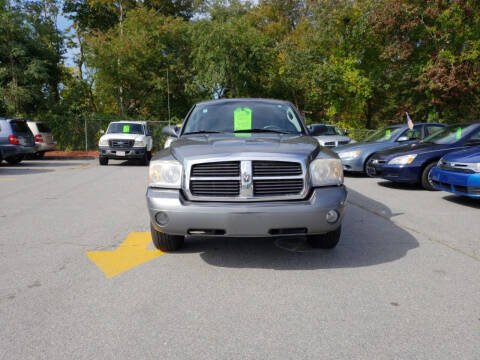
<point x="459" y="173"/>
<point x="413" y="163"/>
<point x="355" y="156"/>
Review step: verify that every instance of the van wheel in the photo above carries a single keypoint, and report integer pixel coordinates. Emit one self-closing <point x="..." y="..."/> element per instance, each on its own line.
<point x="325" y="241"/>
<point x="103" y="160"/>
<point x="14" y="160"/>
<point x="149" y="154"/>
<point x="165" y="242"/>
<point x="426" y="181"/>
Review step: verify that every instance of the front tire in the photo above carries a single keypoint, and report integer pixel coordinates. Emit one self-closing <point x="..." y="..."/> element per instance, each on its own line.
<point x="165" y="242"/>
<point x="103" y="160"/>
<point x="425" y="180"/>
<point x="145" y="159"/>
<point x="325" y="241"/>
<point x="14" y="160"/>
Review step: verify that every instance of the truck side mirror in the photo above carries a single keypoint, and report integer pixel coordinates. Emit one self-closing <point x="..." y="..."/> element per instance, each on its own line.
<point x="169" y="130"/>
<point x="102" y="132"/>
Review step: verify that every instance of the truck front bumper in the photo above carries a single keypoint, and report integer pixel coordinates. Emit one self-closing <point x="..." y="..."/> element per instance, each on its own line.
<point x="172" y="214"/>
<point x="120" y="154"/>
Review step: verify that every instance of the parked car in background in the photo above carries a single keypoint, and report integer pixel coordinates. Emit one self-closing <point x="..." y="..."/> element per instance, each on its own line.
<point x="459" y="173"/>
<point x="329" y="135"/>
<point x="16" y="140"/>
<point x="126" y="140"/>
<point x="43" y="138"/>
<point x="355" y="156"/>
<point x="245" y="168"/>
<point x="412" y="163"/>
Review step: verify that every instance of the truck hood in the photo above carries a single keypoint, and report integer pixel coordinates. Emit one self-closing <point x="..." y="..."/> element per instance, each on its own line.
<point x="219" y="145"/>
<point x="122" y="136"/>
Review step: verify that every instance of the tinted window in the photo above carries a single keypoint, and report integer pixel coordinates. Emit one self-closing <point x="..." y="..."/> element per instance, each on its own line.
<point x="385" y="134"/>
<point x="19" y="126"/>
<point x="432" y="129"/>
<point x="125" y="128"/>
<point x="450" y="134"/>
<point x="243" y="116"/>
<point x="43" y="128"/>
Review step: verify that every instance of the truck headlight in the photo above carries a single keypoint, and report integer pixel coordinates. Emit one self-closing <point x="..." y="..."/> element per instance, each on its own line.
<point x="139" y="143"/>
<point x="165" y="174"/>
<point x="349" y="155"/>
<point x="326" y="172"/>
<point x="402" y="160"/>
<point x="103" y="142"/>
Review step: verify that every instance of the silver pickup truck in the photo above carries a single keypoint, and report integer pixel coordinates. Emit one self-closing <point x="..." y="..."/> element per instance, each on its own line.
<point x="245" y="168"/>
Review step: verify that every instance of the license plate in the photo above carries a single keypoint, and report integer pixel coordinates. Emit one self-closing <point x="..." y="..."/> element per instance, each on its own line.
<point x="21" y="140"/>
<point x="120" y="153"/>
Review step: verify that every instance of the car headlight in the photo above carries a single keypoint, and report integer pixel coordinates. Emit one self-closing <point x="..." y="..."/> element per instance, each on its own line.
<point x="103" y="142"/>
<point x="139" y="142"/>
<point x="402" y="160"/>
<point x="165" y="174"/>
<point x="326" y="172"/>
<point x="349" y="155"/>
<point x="476" y="167"/>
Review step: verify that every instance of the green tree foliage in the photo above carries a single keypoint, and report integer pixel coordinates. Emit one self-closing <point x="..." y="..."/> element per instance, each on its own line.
<point x="30" y="56"/>
<point x="357" y="63"/>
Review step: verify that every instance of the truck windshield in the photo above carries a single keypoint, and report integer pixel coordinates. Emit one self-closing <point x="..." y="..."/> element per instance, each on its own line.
<point x="125" y="128"/>
<point x="243" y="117"/>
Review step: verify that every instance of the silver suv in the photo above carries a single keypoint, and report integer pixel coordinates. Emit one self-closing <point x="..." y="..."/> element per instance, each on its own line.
<point x="43" y="138"/>
<point x="245" y="168"/>
<point x="16" y="140"/>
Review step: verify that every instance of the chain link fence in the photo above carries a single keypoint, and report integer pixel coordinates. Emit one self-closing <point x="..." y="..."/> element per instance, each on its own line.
<point x="83" y="133"/>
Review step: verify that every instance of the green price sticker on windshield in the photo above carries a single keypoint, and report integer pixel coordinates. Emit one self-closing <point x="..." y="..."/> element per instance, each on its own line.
<point x="126" y="128"/>
<point x="459" y="133"/>
<point x="242" y="119"/>
<point x="388" y="133"/>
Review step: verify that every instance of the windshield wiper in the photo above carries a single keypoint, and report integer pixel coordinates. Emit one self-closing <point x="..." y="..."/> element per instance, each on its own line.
<point x="262" y="131"/>
<point x="203" y="132"/>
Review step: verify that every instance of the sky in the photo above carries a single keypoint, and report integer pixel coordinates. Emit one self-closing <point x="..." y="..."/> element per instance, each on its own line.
<point x="63" y="24"/>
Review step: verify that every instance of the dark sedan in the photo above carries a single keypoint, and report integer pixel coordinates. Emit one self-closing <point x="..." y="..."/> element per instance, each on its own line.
<point x="356" y="155"/>
<point x="413" y="163"/>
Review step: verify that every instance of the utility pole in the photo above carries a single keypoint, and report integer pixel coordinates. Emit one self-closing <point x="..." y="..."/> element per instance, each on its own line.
<point x="86" y="137"/>
<point x="168" y="98"/>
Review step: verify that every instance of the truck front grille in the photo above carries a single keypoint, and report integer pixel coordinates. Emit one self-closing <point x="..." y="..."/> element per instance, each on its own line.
<point x="121" y="144"/>
<point x="215" y="187"/>
<point x="216" y="169"/>
<point x="246" y="180"/>
<point x="276" y="168"/>
<point x="277" y="187"/>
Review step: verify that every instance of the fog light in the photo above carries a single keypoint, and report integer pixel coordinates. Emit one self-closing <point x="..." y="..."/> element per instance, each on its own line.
<point x="332" y="216"/>
<point x="162" y="218"/>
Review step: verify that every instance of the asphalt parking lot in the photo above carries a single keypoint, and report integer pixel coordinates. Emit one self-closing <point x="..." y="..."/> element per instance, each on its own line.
<point x="402" y="284"/>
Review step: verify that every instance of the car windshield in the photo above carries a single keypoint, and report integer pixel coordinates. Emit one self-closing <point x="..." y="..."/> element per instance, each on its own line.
<point x="243" y="117"/>
<point x="385" y="134"/>
<point x="450" y="134"/>
<point x="125" y="128"/>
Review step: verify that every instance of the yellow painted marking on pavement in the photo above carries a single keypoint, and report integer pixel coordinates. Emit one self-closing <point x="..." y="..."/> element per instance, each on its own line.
<point x="132" y="252"/>
<point x="7" y="179"/>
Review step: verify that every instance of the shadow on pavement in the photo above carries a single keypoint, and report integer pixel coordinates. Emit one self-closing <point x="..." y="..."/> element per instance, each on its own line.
<point x="43" y="164"/>
<point x="400" y="186"/>
<point x="463" y="200"/>
<point x="369" y="238"/>
<point x="21" y="171"/>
